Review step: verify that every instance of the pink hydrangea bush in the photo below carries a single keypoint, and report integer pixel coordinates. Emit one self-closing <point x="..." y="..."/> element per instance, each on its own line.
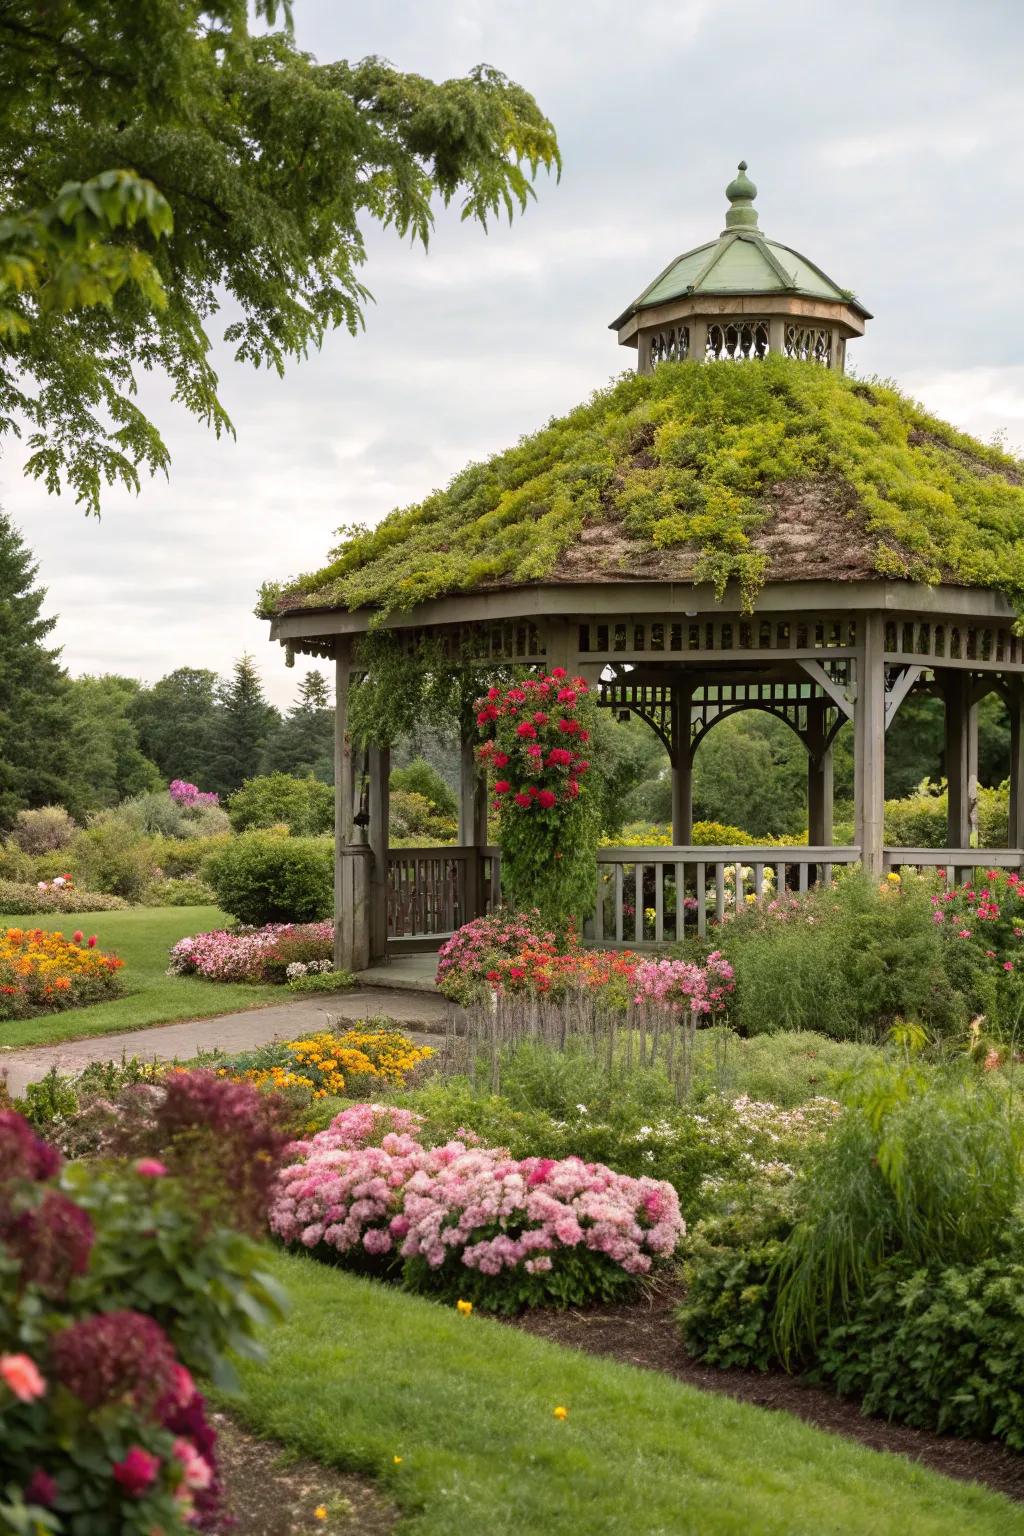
<point x="189" y="795"/>
<point x="255" y="955"/>
<point x="471" y="1221"/>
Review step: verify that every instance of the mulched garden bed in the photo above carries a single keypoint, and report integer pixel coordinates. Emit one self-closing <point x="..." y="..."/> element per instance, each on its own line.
<point x="270" y="1492"/>
<point x="645" y="1333"/>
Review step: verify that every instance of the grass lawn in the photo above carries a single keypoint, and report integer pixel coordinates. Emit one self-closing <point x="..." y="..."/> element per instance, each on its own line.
<point x="360" y="1374"/>
<point x="142" y="937"/>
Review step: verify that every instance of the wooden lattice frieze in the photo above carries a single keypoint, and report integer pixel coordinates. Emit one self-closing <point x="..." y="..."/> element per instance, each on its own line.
<point x="669" y="635"/>
<point x="947" y="643"/>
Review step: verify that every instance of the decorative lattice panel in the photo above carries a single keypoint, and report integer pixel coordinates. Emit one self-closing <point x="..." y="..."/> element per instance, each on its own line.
<point x="668" y="346"/>
<point x="810" y="343"/>
<point x="737" y="339"/>
<point x="657" y="637"/>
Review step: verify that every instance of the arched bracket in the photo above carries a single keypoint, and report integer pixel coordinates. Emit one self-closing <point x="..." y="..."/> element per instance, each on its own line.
<point x="897" y="690"/>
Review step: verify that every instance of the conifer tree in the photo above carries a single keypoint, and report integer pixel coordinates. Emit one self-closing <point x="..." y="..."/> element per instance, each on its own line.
<point x="34" y="751"/>
<point x="304" y="742"/>
<point x="244" y="723"/>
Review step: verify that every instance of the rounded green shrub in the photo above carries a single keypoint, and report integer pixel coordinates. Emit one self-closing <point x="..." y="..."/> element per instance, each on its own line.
<point x="263" y="877"/>
<point x="304" y="806"/>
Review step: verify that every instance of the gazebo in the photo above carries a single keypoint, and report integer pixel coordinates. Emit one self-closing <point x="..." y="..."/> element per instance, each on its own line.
<point x="740" y="526"/>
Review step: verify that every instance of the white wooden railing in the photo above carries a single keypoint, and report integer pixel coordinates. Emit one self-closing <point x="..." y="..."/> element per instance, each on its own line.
<point x="955" y="865"/>
<point x="659" y="895"/>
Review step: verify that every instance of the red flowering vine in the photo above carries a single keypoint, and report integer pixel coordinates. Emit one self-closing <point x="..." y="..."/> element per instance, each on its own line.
<point x="537" y="743"/>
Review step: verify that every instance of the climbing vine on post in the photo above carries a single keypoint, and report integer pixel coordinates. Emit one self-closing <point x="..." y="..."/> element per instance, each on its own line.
<point x="545" y="790"/>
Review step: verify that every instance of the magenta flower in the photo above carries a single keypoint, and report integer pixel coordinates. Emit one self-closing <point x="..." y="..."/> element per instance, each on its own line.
<point x="137" y="1472"/>
<point x="150" y="1168"/>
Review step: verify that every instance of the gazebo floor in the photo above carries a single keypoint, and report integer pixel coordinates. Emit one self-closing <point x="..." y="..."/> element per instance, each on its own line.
<point x="402" y="973"/>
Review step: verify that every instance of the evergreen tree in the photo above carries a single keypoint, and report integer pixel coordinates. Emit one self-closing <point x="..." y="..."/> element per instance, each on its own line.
<point x="304" y="742"/>
<point x="243" y="726"/>
<point x="107" y="765"/>
<point x="176" y="720"/>
<point x="34" y="751"/>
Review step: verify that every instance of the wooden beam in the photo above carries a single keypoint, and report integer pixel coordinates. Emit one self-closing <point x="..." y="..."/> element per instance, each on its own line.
<point x="836" y="691"/>
<point x="1015" y="706"/>
<point x="378" y="841"/>
<point x="960" y="724"/>
<point x="869" y="744"/>
<point x="897" y="693"/>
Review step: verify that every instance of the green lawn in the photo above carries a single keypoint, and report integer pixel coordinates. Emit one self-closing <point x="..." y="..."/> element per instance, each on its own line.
<point x="361" y="1374"/>
<point x="142" y="937"/>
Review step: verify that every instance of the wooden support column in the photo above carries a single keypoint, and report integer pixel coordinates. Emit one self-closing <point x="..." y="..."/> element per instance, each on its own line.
<point x="869" y="744"/>
<point x="961" y="727"/>
<point x="819" y="777"/>
<point x="473" y="825"/>
<point x="682" y="766"/>
<point x="351" y="862"/>
<point x="1015" y="707"/>
<point x="378" y="841"/>
<point x="560" y="645"/>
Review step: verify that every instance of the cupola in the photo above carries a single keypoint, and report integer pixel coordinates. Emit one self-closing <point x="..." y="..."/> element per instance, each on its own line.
<point x="741" y="296"/>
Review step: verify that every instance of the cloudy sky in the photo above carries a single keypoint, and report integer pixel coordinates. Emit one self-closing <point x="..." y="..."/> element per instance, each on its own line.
<point x="885" y="142"/>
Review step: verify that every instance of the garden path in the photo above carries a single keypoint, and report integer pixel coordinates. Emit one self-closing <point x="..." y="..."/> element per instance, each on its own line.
<point x="230" y="1032"/>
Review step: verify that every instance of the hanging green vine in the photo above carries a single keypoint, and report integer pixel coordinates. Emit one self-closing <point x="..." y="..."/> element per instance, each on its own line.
<point x="397" y="693"/>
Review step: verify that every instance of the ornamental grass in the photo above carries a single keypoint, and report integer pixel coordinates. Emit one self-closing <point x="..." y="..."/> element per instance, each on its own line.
<point x="43" y="972"/>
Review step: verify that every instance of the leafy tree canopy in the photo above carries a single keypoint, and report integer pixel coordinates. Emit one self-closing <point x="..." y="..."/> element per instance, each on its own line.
<point x="159" y="159"/>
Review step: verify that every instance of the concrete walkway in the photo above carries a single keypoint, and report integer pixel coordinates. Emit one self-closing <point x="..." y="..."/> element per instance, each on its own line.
<point x="417" y="1011"/>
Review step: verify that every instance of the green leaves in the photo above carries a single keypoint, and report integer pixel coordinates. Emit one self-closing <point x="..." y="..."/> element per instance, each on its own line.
<point x="253" y="170"/>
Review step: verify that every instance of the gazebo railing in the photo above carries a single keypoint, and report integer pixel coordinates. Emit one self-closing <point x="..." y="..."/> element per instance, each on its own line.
<point x="956" y="865"/>
<point x="659" y="895"/>
<point x="433" y="891"/>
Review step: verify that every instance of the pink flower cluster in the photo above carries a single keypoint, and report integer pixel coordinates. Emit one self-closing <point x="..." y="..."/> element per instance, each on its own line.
<point x="189" y="795"/>
<point x="223" y="956"/>
<point x="474" y="948"/>
<point x="679" y="985"/>
<point x="459" y="1205"/>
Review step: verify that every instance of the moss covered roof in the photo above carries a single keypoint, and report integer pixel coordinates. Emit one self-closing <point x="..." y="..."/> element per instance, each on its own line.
<point x="775" y="470"/>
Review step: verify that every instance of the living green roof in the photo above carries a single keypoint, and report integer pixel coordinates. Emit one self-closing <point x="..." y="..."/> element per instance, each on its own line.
<point x="749" y="471"/>
<point x="742" y="262"/>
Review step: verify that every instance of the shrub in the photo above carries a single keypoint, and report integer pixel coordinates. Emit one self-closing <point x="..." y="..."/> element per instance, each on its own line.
<point x="43" y="972"/>
<point x="262" y="878"/>
<point x="546" y="794"/>
<point x="922" y="1166"/>
<point x="514" y="1233"/>
<point x="421" y="779"/>
<point x="727" y="1318"/>
<point x="21" y="900"/>
<point x="112" y="1290"/>
<point x="845" y="960"/>
<point x="177" y="856"/>
<point x="413" y="819"/>
<point x="919" y="820"/>
<point x="157" y="813"/>
<point x="939" y="1348"/>
<point x="46" y="830"/>
<point x="305" y="806"/>
<point x="260" y="955"/>
<point x="321" y="981"/>
<point x="183" y="891"/>
<point x="110" y="856"/>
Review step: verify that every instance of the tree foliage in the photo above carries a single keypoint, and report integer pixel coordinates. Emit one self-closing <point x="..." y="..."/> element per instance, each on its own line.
<point x="161" y="158"/>
<point x="34" y="755"/>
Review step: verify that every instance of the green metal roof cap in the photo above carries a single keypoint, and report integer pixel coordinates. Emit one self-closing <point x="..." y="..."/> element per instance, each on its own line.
<point x="740" y="262"/>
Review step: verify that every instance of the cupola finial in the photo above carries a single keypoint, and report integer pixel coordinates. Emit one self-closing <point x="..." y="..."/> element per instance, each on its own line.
<point x="741" y="193"/>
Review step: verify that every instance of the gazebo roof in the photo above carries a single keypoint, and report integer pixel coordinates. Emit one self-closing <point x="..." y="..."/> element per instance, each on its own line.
<point x="773" y="470"/>
<point x="741" y="262"/>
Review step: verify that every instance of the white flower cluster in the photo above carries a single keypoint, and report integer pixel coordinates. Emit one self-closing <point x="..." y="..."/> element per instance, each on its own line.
<point x="308" y="968"/>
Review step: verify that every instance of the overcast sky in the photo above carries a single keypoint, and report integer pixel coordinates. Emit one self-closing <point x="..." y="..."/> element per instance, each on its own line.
<point x="885" y="141"/>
